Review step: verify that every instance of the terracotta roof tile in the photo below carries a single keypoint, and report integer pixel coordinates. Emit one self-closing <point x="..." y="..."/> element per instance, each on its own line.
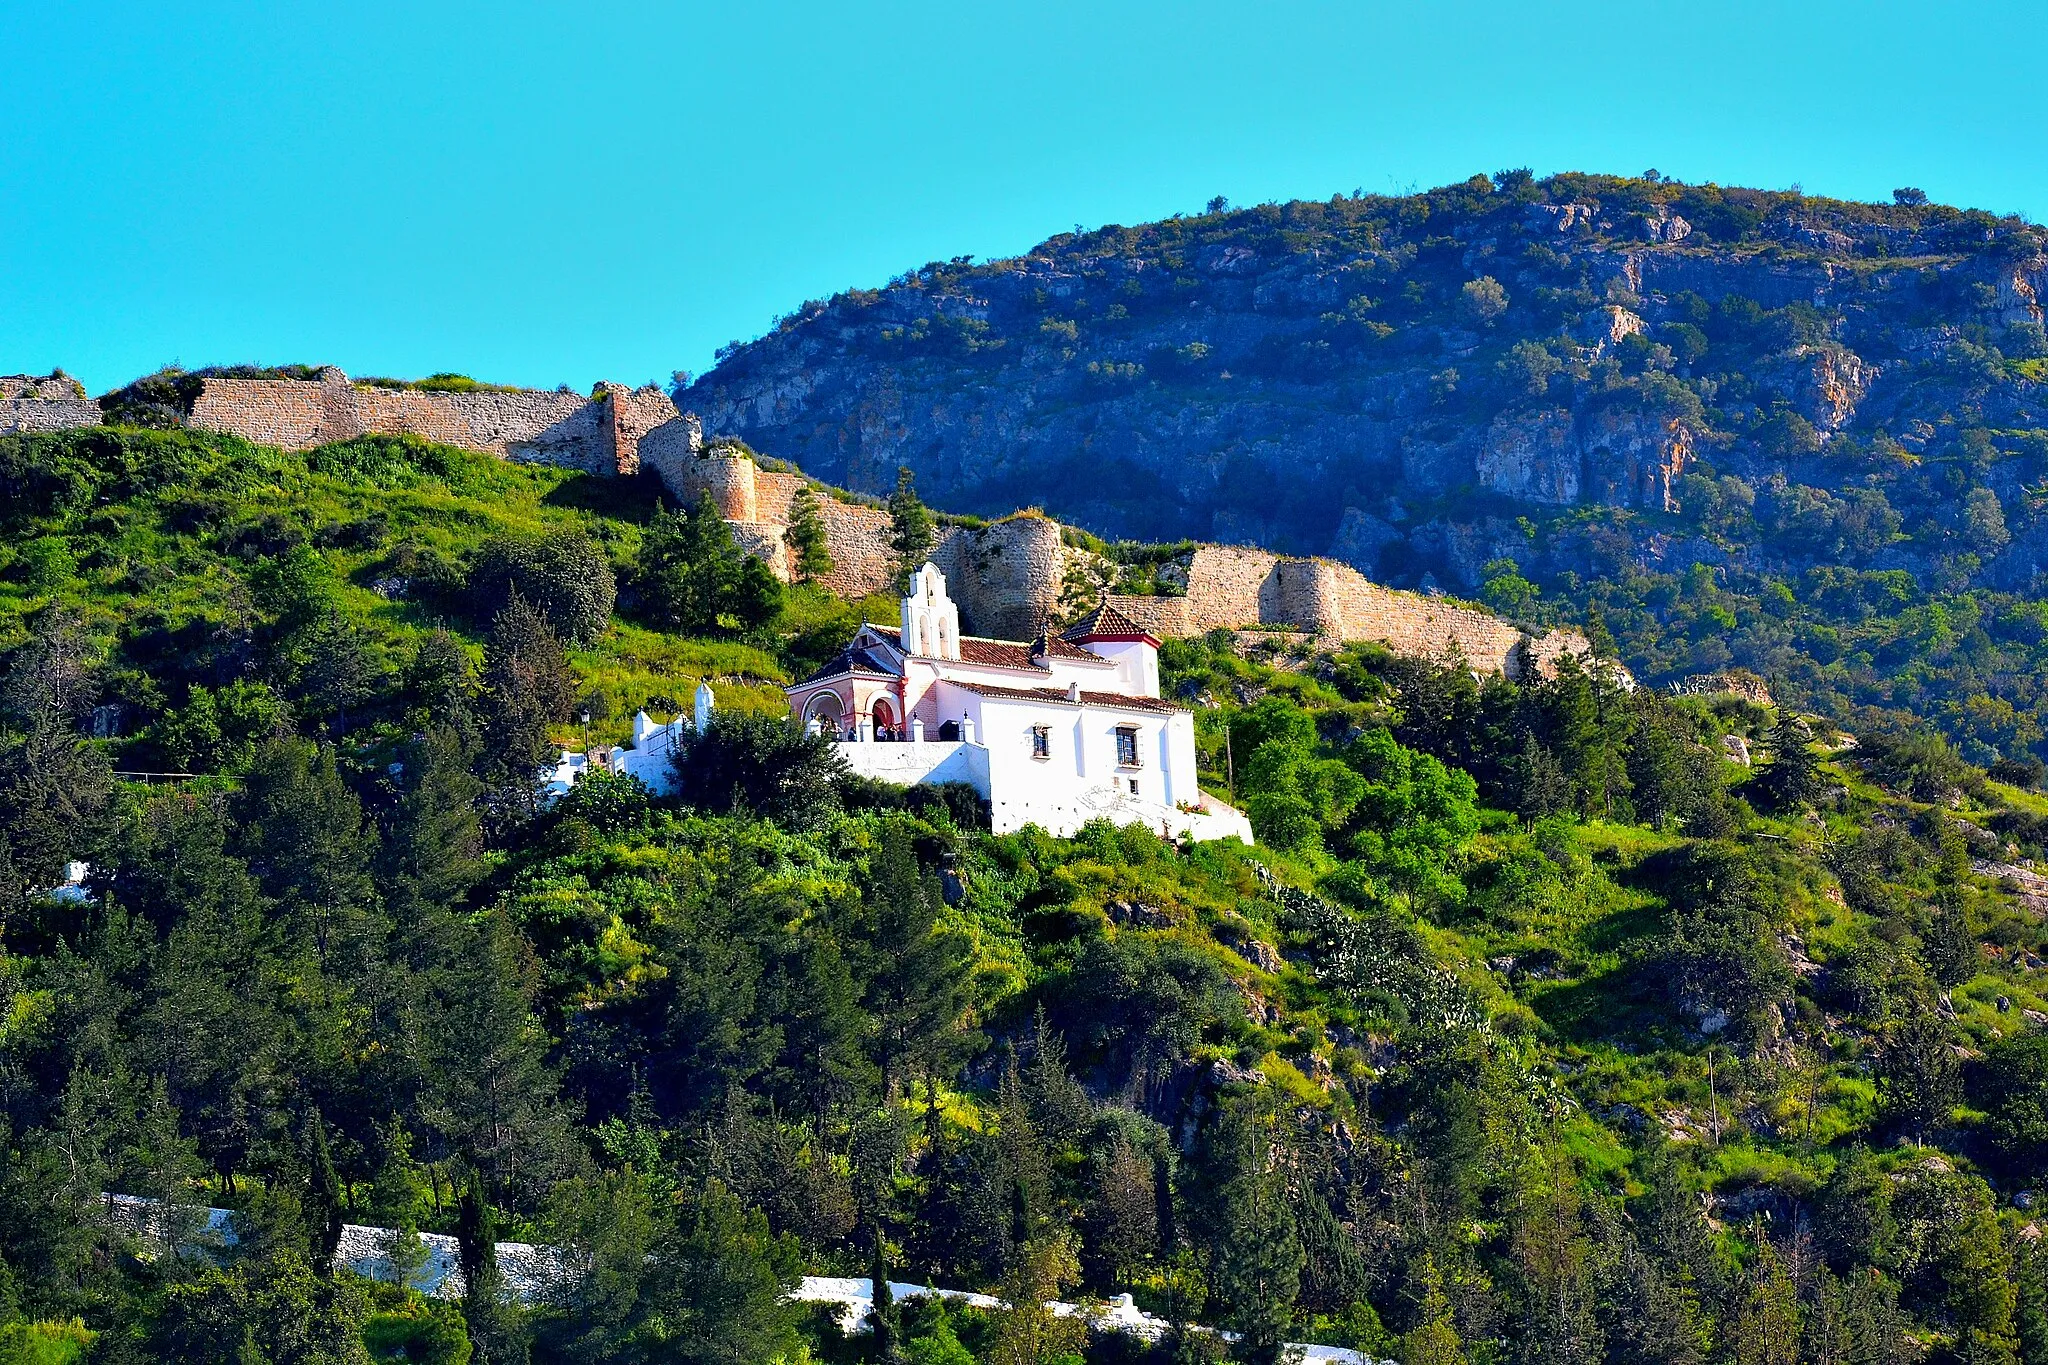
<point x="1105" y="620"/>
<point x="1052" y="646"/>
<point x="999" y="653"/>
<point x="1057" y="697"/>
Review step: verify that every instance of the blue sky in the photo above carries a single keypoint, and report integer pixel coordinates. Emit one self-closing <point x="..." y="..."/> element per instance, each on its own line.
<point x="544" y="194"/>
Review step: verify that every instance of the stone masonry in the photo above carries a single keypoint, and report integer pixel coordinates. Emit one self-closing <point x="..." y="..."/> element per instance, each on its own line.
<point x="1231" y="587"/>
<point x="600" y="434"/>
<point x="51" y="402"/>
<point x="1009" y="576"/>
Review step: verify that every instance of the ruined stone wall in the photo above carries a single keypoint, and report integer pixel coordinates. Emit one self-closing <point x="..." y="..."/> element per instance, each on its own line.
<point x="1009" y="576"/>
<point x="1006" y="575"/>
<point x="634" y="414"/>
<point x="53" y="402"/>
<point x="671" y="449"/>
<point x="286" y="413"/>
<point x="773" y="494"/>
<point x="765" y="541"/>
<point x="600" y="435"/>
<point x="1231" y="587"/>
<point x="858" y="538"/>
<point x="1169" y="618"/>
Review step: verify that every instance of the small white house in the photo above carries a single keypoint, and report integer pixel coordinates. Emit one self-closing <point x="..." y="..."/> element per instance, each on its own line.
<point x="73" y="889"/>
<point x="1055" y="733"/>
<point x="650" y="759"/>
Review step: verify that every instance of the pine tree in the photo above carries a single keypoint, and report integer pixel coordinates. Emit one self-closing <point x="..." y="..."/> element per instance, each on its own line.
<point x="693" y="577"/>
<point x="1792" y="780"/>
<point x="1764" y="1329"/>
<point x="920" y="982"/>
<point x="1543" y="787"/>
<point x="1123" y="1215"/>
<point x="527" y="689"/>
<point x="806" y="535"/>
<point x="303" y="834"/>
<point x="1434" y="1338"/>
<point x="1256" y="1261"/>
<point x="434" y="849"/>
<point x="911" y="529"/>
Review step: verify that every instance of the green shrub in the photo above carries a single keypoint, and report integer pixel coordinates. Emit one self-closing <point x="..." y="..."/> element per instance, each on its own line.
<point x="45" y="1343"/>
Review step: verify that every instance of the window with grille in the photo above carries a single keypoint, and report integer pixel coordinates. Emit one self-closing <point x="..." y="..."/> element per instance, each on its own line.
<point x="1041" y="741"/>
<point x="1127" y="746"/>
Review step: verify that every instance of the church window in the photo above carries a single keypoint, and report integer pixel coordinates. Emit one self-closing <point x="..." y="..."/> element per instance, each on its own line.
<point x="1041" y="741"/>
<point x="1127" y="746"/>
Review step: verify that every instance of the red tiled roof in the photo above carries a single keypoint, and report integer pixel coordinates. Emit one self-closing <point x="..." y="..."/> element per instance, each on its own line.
<point x="999" y="653"/>
<point x="1106" y="622"/>
<point x="1055" y="647"/>
<point x="1056" y="697"/>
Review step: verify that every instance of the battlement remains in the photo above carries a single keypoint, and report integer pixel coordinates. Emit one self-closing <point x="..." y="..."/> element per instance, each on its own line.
<point x="1231" y="587"/>
<point x="600" y="434"/>
<point x="50" y="402"/>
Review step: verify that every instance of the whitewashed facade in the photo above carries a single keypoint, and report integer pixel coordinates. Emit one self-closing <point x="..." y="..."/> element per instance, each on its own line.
<point x="650" y="758"/>
<point x="1054" y="733"/>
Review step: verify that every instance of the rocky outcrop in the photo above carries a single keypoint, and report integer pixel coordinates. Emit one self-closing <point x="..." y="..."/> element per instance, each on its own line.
<point x="1824" y="383"/>
<point x="1304" y="375"/>
<point x="1617" y="456"/>
<point x="1634" y="458"/>
<point x="1532" y="456"/>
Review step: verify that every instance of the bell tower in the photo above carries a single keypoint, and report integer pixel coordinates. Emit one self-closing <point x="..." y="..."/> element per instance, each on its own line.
<point x="931" y="622"/>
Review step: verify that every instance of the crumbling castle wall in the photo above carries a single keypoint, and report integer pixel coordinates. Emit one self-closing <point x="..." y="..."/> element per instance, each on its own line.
<point x="51" y="402"/>
<point x="1230" y="587"/>
<point x="1006" y="576"/>
<point x="600" y="434"/>
<point x="857" y="537"/>
<point x="1009" y="576"/>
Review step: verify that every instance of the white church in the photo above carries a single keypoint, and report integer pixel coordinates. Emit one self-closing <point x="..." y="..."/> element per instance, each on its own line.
<point x="1055" y="733"/>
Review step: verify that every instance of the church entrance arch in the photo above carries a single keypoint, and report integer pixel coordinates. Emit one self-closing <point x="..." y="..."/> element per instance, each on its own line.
<point x="826" y="710"/>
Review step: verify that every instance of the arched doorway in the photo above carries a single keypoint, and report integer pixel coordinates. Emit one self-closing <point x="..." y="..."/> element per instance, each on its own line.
<point x="830" y="716"/>
<point x="884" y="718"/>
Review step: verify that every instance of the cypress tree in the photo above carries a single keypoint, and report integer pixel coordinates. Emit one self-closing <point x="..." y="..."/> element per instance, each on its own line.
<point x="887" y="1319"/>
<point x="325" y="1213"/>
<point x="911" y="529"/>
<point x="806" y="535"/>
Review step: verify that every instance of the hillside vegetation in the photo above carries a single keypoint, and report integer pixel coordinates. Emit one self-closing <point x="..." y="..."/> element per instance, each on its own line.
<point x="1535" y="1029"/>
<point x="1794" y="434"/>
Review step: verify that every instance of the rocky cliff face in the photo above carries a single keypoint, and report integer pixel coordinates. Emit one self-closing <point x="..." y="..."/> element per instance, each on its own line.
<point x="1566" y="373"/>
